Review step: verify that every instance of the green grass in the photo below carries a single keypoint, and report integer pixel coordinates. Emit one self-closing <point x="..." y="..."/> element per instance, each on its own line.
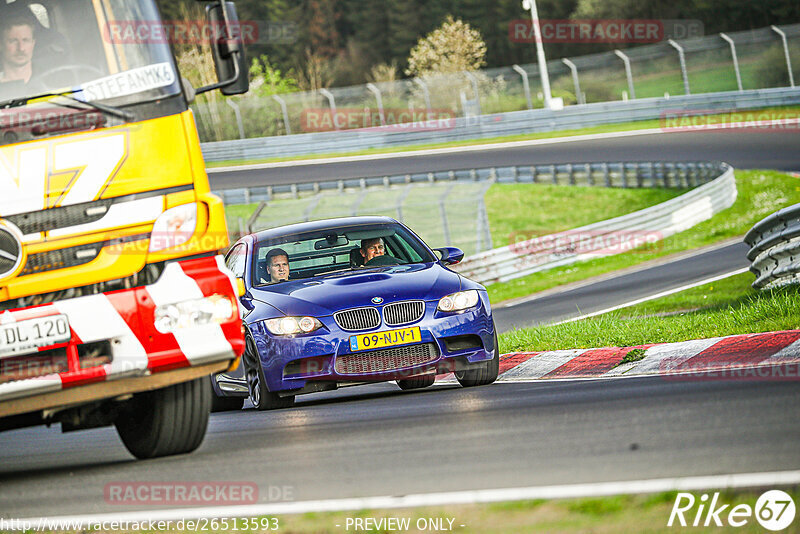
<point x="726" y="307"/>
<point x="522" y="211"/>
<point x="604" y="128"/>
<point x="647" y="513"/>
<point x="760" y="193"/>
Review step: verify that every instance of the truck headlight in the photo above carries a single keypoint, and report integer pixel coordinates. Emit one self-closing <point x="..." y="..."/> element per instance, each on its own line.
<point x="174" y="227"/>
<point x="459" y="301"/>
<point x="194" y="313"/>
<point x="287" y="326"/>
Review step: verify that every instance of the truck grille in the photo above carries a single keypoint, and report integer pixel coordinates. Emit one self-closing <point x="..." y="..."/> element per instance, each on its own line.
<point x="378" y="361"/>
<point x="358" y="319"/>
<point x="403" y="312"/>
<point x="77" y="214"/>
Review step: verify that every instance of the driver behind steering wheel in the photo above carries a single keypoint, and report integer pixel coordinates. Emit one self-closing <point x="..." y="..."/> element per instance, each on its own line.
<point x="374" y="253"/>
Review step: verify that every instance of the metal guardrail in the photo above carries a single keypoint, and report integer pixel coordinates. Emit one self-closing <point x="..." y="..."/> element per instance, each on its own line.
<point x="649" y="174"/>
<point x="609" y="237"/>
<point x="496" y="125"/>
<point x="775" y="249"/>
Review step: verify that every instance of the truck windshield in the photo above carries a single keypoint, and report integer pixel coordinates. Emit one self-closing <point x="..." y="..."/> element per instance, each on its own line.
<point x="112" y="51"/>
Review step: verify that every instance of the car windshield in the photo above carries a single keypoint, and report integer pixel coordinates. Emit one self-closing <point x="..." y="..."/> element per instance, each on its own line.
<point x="89" y="49"/>
<point x="331" y="250"/>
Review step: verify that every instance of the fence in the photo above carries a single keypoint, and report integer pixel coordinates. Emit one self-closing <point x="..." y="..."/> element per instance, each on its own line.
<point x="491" y="126"/>
<point x="445" y="207"/>
<point x="775" y="249"/>
<point x="740" y="61"/>
<point x="607" y="237"/>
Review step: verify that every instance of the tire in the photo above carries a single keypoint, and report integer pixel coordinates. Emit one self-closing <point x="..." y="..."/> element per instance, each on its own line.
<point x="167" y="421"/>
<point x="483" y="375"/>
<point x="262" y="398"/>
<point x="417" y="382"/>
<point x="226" y="404"/>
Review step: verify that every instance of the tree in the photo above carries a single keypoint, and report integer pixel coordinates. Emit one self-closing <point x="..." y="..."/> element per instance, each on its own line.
<point x="453" y="47"/>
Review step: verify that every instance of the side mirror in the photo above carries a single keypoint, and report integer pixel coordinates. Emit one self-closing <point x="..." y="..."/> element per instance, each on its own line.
<point x="450" y="255"/>
<point x="228" y="51"/>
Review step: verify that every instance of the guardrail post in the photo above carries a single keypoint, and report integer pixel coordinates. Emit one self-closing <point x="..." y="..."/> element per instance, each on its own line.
<point x="579" y="97"/>
<point x="682" y="59"/>
<point x="443" y="212"/>
<point x="735" y="60"/>
<point x="628" y="74"/>
<point x="474" y="81"/>
<point x="785" y="53"/>
<point x="332" y="103"/>
<point x="589" y="175"/>
<point x="379" y="99"/>
<point x="533" y="173"/>
<point x="285" y="113"/>
<point x="401" y="200"/>
<point x="237" y="112"/>
<point x="254" y="217"/>
<point x="606" y="175"/>
<point x="426" y="93"/>
<point x="294" y="191"/>
<point x="526" y="86"/>
<point x="357" y="204"/>
<point x="624" y="175"/>
<point x="571" y="174"/>
<point x="311" y="207"/>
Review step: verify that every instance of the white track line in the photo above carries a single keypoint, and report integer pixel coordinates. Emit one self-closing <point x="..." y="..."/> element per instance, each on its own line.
<point x="566" y="491"/>
<point x="650" y="264"/>
<point x="492" y="146"/>
<point x="656" y="296"/>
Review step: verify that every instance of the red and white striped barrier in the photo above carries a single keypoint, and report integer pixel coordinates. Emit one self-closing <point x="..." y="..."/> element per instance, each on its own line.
<point x="126" y="320"/>
<point x="766" y="356"/>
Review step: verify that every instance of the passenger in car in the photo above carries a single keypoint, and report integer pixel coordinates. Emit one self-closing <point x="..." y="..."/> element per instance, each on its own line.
<point x="277" y="265"/>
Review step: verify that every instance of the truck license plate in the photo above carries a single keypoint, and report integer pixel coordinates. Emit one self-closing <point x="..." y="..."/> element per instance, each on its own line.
<point x="27" y="336"/>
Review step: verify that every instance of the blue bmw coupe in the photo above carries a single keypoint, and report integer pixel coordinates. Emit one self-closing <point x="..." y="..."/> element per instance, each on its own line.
<point x="349" y="301"/>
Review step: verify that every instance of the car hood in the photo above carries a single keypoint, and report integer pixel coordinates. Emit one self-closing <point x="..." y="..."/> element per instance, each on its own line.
<point x="324" y="295"/>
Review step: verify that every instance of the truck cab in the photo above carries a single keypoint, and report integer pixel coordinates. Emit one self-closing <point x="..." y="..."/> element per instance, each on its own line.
<point x="114" y="303"/>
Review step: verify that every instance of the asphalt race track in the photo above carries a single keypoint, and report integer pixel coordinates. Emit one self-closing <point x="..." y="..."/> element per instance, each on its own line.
<point x="622" y="289"/>
<point x="743" y="149"/>
<point x="378" y="440"/>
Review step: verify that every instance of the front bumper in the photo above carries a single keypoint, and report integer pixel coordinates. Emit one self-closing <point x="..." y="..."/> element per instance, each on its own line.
<point x="112" y="336"/>
<point x="456" y="339"/>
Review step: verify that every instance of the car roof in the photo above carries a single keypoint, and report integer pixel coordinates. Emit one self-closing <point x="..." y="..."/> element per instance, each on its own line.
<point x="322" y="224"/>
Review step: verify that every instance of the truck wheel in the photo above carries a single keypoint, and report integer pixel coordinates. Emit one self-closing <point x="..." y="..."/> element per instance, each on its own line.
<point x="482" y="375"/>
<point x="166" y="421"/>
<point x="417" y="382"/>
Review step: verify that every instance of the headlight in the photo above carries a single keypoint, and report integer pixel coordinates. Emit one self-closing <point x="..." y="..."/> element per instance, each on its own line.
<point x="174" y="227"/>
<point x="287" y="326"/>
<point x="194" y="313"/>
<point x="459" y="301"/>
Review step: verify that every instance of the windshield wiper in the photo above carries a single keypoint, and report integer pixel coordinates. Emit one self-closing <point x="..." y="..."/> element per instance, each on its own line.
<point x="110" y="110"/>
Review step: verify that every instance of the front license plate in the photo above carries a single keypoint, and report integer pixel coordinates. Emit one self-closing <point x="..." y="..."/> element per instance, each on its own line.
<point x="389" y="338"/>
<point x="27" y="336"/>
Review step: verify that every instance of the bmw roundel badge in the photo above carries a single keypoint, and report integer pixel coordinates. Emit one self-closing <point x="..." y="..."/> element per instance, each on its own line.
<point x="377" y="300"/>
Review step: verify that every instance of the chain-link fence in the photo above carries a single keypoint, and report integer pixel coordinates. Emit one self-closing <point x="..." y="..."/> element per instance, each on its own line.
<point x="443" y="214"/>
<point x="754" y="59"/>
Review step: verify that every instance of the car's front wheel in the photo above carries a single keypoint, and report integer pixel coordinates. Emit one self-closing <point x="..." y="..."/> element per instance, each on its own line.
<point x="417" y="382"/>
<point x="260" y="396"/>
<point x="483" y="375"/>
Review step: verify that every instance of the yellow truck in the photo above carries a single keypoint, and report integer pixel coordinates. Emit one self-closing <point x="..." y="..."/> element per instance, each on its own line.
<point x="115" y="306"/>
